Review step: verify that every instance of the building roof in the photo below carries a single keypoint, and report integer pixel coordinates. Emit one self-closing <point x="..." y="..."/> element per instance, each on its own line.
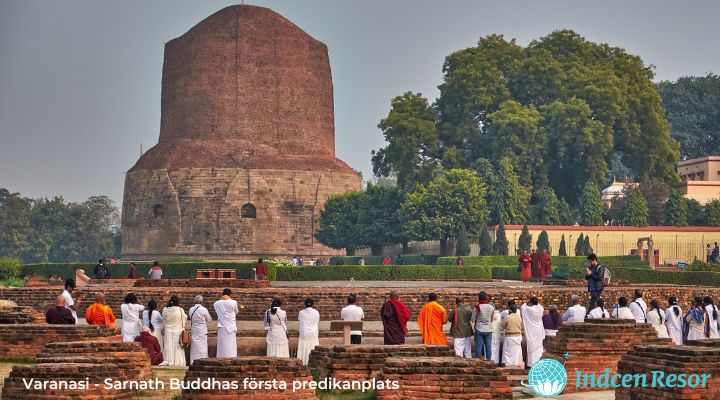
<point x="698" y="160"/>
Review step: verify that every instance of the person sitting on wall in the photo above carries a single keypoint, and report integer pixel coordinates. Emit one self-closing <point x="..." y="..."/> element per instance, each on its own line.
<point x="59" y="314"/>
<point x="155" y="271"/>
<point x="151" y="345"/>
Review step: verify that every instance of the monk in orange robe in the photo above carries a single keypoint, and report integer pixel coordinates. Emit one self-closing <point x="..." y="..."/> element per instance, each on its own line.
<point x="545" y="265"/>
<point x="100" y="314"/>
<point x="431" y="320"/>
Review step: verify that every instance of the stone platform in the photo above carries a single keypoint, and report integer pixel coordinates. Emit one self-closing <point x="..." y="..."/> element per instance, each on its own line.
<point x="255" y="368"/>
<point x="364" y="362"/>
<point x="694" y="359"/>
<point x="597" y="344"/>
<point x="443" y="378"/>
<point x="26" y="340"/>
<point x="131" y="359"/>
<point x="63" y="374"/>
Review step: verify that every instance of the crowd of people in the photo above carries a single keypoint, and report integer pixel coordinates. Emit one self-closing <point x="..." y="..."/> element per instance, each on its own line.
<point x="500" y="336"/>
<point x="535" y="265"/>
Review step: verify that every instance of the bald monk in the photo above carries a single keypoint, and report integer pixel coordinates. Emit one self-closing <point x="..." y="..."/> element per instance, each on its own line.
<point x="151" y="345"/>
<point x="59" y="314"/>
<point x="100" y="314"/>
<point x="431" y="320"/>
<point x="395" y="316"/>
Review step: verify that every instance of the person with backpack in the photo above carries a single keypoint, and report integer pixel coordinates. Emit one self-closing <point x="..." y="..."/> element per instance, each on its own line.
<point x="639" y="307"/>
<point x="101" y="271"/>
<point x="594" y="274"/>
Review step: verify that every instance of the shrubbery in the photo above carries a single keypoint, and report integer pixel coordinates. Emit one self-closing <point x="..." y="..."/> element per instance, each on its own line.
<point x="183" y="270"/>
<point x="10" y="268"/>
<point x="380" y="272"/>
<point x="646" y="275"/>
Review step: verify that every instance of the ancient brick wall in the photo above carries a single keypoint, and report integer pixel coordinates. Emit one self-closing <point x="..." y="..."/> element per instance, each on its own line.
<point x="217" y="284"/>
<point x="131" y="359"/>
<point x="14" y="387"/>
<point x="26" y="340"/>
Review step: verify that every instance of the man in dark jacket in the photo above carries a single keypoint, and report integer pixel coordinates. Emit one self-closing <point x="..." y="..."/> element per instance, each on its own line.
<point x="594" y="276"/>
<point x="151" y="344"/>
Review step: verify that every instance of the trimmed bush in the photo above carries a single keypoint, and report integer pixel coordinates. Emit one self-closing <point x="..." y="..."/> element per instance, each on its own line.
<point x="410" y="259"/>
<point x="646" y="275"/>
<point x="380" y="272"/>
<point x="505" y="272"/>
<point x="10" y="268"/>
<point x="184" y="270"/>
<point x="611" y="261"/>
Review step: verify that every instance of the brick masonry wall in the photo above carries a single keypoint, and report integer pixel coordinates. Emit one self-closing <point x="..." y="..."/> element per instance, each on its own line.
<point x="217" y="284"/>
<point x="26" y="340"/>
<point x="329" y="301"/>
<point x="443" y="378"/>
<point x="14" y="387"/>
<point x="258" y="368"/>
<point x="131" y="359"/>
<point x="596" y="345"/>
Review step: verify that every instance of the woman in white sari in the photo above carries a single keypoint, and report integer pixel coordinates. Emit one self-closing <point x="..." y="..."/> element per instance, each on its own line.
<point x="174" y="319"/>
<point x="152" y="319"/>
<point x="656" y="317"/>
<point x="309" y="319"/>
<point x="673" y="321"/>
<point x="711" y="316"/>
<point x="276" y="325"/>
<point x="131" y="322"/>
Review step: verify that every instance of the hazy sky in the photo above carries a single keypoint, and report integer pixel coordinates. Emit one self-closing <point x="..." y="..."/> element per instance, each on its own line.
<point x="80" y="79"/>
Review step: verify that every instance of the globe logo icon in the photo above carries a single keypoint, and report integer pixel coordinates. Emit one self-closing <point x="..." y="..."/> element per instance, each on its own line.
<point x="547" y="377"/>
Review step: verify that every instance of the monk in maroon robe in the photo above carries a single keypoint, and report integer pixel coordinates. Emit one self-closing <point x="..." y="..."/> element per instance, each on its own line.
<point x="395" y="316"/>
<point x="545" y="265"/>
<point x="524" y="261"/>
<point x="151" y="344"/>
<point x="535" y="264"/>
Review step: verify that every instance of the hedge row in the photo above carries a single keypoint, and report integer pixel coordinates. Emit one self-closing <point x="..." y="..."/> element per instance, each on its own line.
<point x="409" y="259"/>
<point x="380" y="272"/>
<point x="617" y="261"/>
<point x="184" y="270"/>
<point x="505" y="273"/>
<point x="646" y="275"/>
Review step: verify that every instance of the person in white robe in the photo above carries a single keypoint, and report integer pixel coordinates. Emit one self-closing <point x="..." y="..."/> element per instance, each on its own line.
<point x="512" y="327"/>
<point x="309" y="319"/>
<point x="599" y="311"/>
<point x="227" y="310"/>
<point x="70" y="303"/>
<point x="639" y="308"/>
<point x="277" y="333"/>
<point x="673" y="321"/>
<point x="532" y="314"/>
<point x="621" y="310"/>
<point x="695" y="321"/>
<point x="131" y="321"/>
<point x="711" y="316"/>
<point x="174" y="319"/>
<point x="153" y="323"/>
<point x="656" y="317"/>
<point x="575" y="313"/>
<point x="497" y="337"/>
<point x="199" y="320"/>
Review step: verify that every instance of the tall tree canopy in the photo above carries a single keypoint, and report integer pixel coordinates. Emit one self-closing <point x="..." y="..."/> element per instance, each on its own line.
<point x="692" y="105"/>
<point x="591" y="208"/>
<point x="676" y="210"/>
<point x="636" y="210"/>
<point x="510" y="198"/>
<point x="437" y="210"/>
<point x="560" y="109"/>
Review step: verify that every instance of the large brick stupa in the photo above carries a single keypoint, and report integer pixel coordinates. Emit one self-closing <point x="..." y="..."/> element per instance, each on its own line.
<point x="246" y="155"/>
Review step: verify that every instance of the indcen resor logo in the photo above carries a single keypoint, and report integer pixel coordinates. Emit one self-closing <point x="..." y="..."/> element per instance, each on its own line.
<point x="547" y="378"/>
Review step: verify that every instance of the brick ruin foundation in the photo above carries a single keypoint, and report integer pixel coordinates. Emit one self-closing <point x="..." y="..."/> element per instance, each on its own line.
<point x="14" y="388"/>
<point x="26" y="340"/>
<point x="255" y="368"/>
<point x="443" y="377"/>
<point x="363" y="362"/>
<point x="131" y="359"/>
<point x="21" y="315"/>
<point x="597" y="344"/>
<point x="218" y="284"/>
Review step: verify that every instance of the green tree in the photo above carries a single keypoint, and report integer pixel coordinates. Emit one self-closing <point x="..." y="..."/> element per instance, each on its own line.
<point x="437" y="210"/>
<point x="692" y="106"/>
<point x="525" y="240"/>
<point x="562" y="251"/>
<point x="547" y="208"/>
<point x="587" y="248"/>
<point x="580" y="245"/>
<point x="543" y="242"/>
<point x="591" y="208"/>
<point x="15" y="229"/>
<point x="501" y="245"/>
<point x="676" y="209"/>
<point x="339" y="222"/>
<point x="696" y="215"/>
<point x="462" y="247"/>
<point x="510" y="200"/>
<point x="412" y="150"/>
<point x="656" y="194"/>
<point x="486" y="244"/>
<point x="567" y="216"/>
<point x="636" y="210"/>
<point x="712" y="213"/>
<point x="379" y="220"/>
